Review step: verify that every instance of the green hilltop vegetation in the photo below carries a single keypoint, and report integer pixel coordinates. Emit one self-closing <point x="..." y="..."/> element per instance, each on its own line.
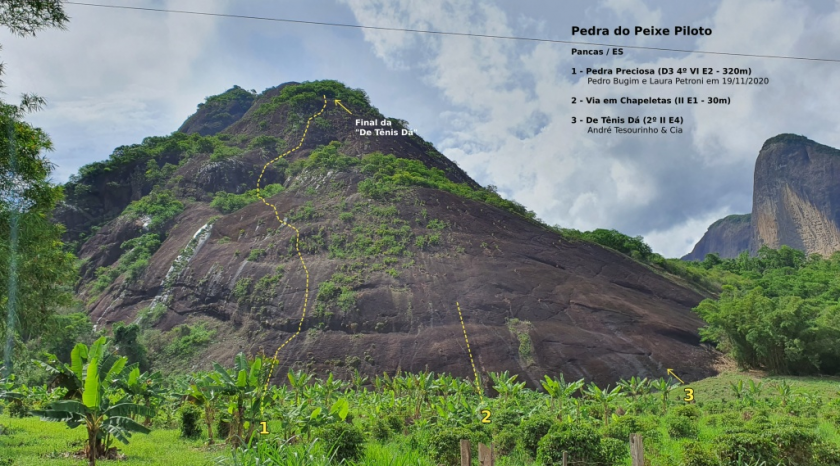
<point x="299" y="97"/>
<point x="732" y="219"/>
<point x="788" y="138"/>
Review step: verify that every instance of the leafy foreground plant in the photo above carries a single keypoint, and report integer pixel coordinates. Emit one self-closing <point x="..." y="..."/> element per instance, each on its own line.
<point x="95" y="370"/>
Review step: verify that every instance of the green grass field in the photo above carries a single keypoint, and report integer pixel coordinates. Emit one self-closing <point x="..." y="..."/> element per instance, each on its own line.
<point x="718" y="388"/>
<point x="30" y="441"/>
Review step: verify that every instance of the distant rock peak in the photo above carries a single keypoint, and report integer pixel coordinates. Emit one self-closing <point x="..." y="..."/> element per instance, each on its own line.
<point x="796" y="203"/>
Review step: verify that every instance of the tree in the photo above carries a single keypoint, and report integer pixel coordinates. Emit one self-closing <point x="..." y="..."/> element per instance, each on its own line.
<point x="29" y="239"/>
<point x="96" y="370"/>
<point x="634" y="247"/>
<point x="26" y="17"/>
<point x="125" y="337"/>
<point x="37" y="272"/>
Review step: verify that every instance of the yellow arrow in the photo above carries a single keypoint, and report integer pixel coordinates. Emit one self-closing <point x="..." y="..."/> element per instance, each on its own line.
<point x="338" y="102"/>
<point x="671" y="373"/>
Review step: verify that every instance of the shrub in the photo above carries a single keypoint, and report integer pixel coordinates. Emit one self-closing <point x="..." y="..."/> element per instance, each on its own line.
<point x="159" y="206"/>
<point x="623" y="426"/>
<point x="255" y="254"/>
<point x="18" y="409"/>
<point x="695" y="455"/>
<point x="631" y="246"/>
<point x="395" y="421"/>
<point x="186" y="341"/>
<point x="221" y="152"/>
<point x="378" y="428"/>
<point x="390" y="173"/>
<point x="682" y="427"/>
<point x="505" y="441"/>
<point x="746" y="446"/>
<point x="229" y="202"/>
<point x="614" y="451"/>
<point x="445" y="444"/>
<point x="796" y="445"/>
<point x="327" y="291"/>
<point x="435" y="224"/>
<point x="581" y="441"/>
<point x="346" y="300"/>
<point x="241" y="288"/>
<point x="344" y="439"/>
<point x="264" y="142"/>
<point x="190" y="421"/>
<point x="687" y="410"/>
<point x="506" y="418"/>
<point x="534" y="429"/>
<point x="826" y="455"/>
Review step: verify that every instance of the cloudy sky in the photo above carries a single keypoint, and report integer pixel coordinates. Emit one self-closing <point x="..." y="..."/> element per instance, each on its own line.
<point x="501" y="109"/>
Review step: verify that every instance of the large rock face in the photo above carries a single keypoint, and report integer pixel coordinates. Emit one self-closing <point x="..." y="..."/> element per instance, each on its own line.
<point x="796" y="203"/>
<point x="385" y="272"/>
<point x="796" y="197"/>
<point x="727" y="237"/>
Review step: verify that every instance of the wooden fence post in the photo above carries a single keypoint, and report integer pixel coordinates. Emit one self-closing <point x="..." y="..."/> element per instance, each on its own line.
<point x="466" y="458"/>
<point x="485" y="455"/>
<point x="565" y="458"/>
<point x="637" y="450"/>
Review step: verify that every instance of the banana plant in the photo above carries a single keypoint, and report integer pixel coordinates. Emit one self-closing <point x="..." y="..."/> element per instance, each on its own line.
<point x="71" y="377"/>
<point x="243" y="393"/>
<point x="737" y="389"/>
<point x="298" y="380"/>
<point x="753" y="393"/>
<point x="359" y="381"/>
<point x="204" y="394"/>
<point x="506" y="385"/>
<point x="664" y="388"/>
<point x="142" y="387"/>
<point x="604" y="397"/>
<point x="453" y="411"/>
<point x="635" y="387"/>
<point x="559" y="391"/>
<point x="784" y="391"/>
<point x="98" y="370"/>
<point x="325" y="389"/>
<point x="421" y="386"/>
<point x="7" y="386"/>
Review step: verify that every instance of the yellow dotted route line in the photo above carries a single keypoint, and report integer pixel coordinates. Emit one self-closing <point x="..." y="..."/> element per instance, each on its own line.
<point x="306" y="270"/>
<point x="469" y="351"/>
<point x="297" y="240"/>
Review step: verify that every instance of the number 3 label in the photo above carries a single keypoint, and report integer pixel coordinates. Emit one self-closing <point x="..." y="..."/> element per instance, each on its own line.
<point x="689" y="394"/>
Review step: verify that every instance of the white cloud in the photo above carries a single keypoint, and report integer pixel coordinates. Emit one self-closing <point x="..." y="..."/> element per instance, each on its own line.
<point x="668" y="188"/>
<point x="637" y="11"/>
<point x="112" y="76"/>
